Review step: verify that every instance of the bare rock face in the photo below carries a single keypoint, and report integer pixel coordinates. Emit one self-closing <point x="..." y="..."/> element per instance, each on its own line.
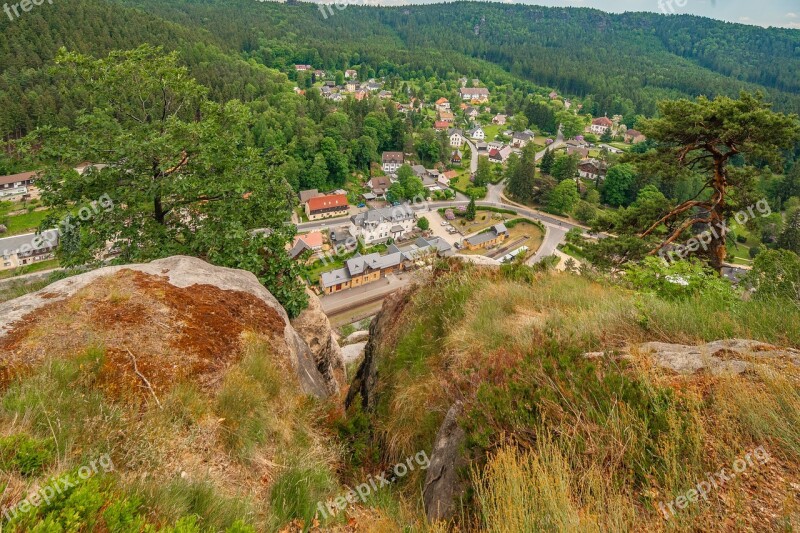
<point x="315" y="329"/>
<point x="181" y="315"/>
<point x="722" y="357"/>
<point x="366" y="379"/>
<point x="443" y="485"/>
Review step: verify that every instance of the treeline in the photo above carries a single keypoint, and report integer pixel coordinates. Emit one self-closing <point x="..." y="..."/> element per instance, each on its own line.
<point x="31" y="94"/>
<point x="621" y="64"/>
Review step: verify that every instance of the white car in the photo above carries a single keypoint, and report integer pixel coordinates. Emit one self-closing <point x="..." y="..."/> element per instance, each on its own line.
<point x="445" y="223"/>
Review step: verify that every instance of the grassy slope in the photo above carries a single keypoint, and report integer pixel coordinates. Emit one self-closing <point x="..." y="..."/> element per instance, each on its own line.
<point x="596" y="445"/>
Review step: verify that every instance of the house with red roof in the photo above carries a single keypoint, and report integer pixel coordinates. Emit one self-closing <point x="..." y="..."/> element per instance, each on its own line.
<point x="601" y="125"/>
<point x="331" y="205"/>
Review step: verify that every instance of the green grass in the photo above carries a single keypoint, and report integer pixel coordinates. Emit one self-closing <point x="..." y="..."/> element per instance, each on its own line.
<point x="25" y="223"/>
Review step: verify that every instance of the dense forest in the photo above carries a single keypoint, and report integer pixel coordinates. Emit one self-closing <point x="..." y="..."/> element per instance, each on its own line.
<point x="627" y="62"/>
<point x="617" y="64"/>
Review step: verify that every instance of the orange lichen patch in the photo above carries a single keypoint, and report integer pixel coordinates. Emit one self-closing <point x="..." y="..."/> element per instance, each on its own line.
<point x="172" y="334"/>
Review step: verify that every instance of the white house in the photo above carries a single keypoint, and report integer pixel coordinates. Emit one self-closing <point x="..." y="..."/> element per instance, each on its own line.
<point x="377" y="225"/>
<point x="520" y="139"/>
<point x="600" y="125"/>
<point x="391" y="161"/>
<point x="477" y="134"/>
<point x="480" y="94"/>
<point x="456" y="138"/>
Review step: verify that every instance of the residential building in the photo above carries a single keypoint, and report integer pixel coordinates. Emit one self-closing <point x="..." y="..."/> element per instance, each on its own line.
<point x="471" y="113"/>
<point x="319" y="73"/>
<point x="307" y="195"/>
<point x="391" y="161"/>
<point x="494" y="156"/>
<point x="494" y="235"/>
<point x="332" y="205"/>
<point x="16" y="184"/>
<point x="360" y="270"/>
<point x="500" y="120"/>
<point x="350" y="74"/>
<point x="600" y="125"/>
<point x="592" y="169"/>
<point x="303" y="68"/>
<point x="441" y="125"/>
<point x="385" y="95"/>
<point x="443" y="104"/>
<point x="446" y="116"/>
<point x="553" y="95"/>
<point x="634" y="137"/>
<point x="456" y="157"/>
<point x="351" y="86"/>
<point x="520" y="139"/>
<point x="379" y="185"/>
<point x="480" y="95"/>
<point x="310" y="241"/>
<point x="27" y="249"/>
<point x="456" y="138"/>
<point x="477" y="134"/>
<point x="377" y="225"/>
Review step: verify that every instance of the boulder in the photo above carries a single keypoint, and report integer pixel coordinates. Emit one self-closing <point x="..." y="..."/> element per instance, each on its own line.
<point x="356" y="336"/>
<point x="366" y="378"/>
<point x="721" y="357"/>
<point x="178" y="316"/>
<point x="352" y="352"/>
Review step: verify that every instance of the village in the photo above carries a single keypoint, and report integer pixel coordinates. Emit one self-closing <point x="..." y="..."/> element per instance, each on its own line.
<point x="404" y="213"/>
<point x="386" y="229"/>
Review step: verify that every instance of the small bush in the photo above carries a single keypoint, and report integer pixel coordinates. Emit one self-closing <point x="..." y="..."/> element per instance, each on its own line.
<point x="25" y="455"/>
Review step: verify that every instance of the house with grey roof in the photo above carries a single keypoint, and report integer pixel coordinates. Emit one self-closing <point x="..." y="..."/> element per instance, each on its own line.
<point x="486" y="239"/>
<point x="362" y="269"/>
<point x="27" y="249"/>
<point x="380" y="225"/>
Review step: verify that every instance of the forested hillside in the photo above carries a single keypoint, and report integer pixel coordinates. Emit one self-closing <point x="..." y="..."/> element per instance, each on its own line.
<point x="627" y="62"/>
<point x="31" y="94"/>
<point x="619" y="64"/>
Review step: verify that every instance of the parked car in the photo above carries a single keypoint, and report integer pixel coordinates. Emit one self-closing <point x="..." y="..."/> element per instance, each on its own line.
<point x="362" y="204"/>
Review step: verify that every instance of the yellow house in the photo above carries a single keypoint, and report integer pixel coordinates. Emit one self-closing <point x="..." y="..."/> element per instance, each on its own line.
<point x="495" y="235"/>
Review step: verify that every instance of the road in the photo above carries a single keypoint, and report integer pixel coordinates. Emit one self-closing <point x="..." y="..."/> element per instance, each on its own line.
<point x="555" y="230"/>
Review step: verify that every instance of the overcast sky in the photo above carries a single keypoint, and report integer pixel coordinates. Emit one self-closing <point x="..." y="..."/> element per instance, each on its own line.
<point x="785" y="13"/>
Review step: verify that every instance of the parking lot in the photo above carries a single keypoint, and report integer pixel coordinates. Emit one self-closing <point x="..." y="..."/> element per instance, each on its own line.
<point x="439" y="230"/>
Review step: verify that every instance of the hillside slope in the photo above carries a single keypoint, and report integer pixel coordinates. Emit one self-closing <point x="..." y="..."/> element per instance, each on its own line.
<point x="627" y="62"/>
<point x="544" y="410"/>
<point x="185" y="381"/>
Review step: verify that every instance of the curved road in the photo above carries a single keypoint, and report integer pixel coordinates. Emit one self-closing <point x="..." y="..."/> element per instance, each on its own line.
<point x="555" y="227"/>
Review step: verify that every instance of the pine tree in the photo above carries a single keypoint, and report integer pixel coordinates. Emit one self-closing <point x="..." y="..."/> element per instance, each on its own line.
<point x="521" y="180"/>
<point x="470" y="214"/>
<point x="790" y="238"/>
<point x="547" y="161"/>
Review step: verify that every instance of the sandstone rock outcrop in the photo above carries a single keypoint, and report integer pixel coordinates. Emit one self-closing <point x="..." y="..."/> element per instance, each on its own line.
<point x="721" y="357"/>
<point x="180" y="316"/>
<point x="315" y="329"/>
